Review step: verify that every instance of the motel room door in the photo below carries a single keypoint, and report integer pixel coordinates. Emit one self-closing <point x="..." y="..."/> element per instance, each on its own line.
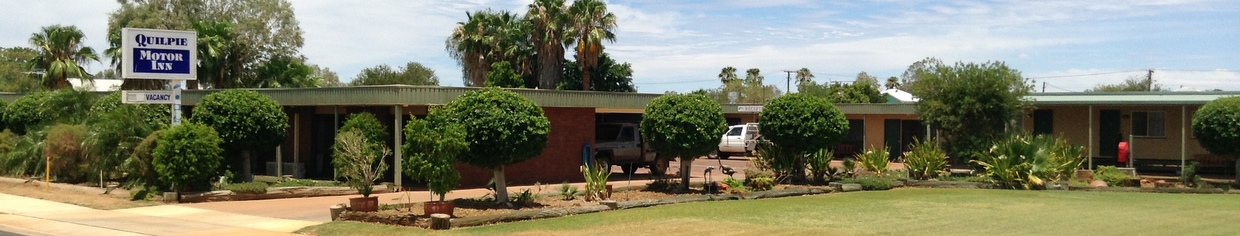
<point x="1108" y="136"/>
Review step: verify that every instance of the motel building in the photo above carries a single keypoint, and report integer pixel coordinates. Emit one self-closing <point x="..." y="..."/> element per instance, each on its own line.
<point x="1157" y="125"/>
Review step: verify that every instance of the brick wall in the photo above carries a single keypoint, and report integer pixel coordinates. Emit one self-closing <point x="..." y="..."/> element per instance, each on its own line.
<point x="571" y="128"/>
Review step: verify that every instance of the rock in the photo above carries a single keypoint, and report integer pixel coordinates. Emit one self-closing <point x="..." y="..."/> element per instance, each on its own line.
<point x="850" y="187"/>
<point x="1098" y="184"/>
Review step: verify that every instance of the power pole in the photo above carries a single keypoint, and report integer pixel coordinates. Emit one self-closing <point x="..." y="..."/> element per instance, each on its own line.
<point x="1043" y="86"/>
<point x="788" y="82"/>
<point x="1149" y="80"/>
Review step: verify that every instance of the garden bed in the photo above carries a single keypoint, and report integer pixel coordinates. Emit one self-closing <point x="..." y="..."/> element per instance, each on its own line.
<point x="476" y="212"/>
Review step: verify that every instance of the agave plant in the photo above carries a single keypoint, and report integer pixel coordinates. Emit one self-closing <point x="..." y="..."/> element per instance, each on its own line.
<point x="925" y="160"/>
<point x="873" y="160"/>
<point x="820" y="165"/>
<point x="1027" y="162"/>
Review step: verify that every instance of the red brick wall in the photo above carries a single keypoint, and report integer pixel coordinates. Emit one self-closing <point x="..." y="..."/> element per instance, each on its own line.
<point x="571" y="128"/>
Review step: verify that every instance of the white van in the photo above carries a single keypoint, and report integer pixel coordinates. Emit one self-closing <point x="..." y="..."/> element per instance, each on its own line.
<point x="739" y="140"/>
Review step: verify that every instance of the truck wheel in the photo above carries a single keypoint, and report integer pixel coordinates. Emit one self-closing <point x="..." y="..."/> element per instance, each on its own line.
<point x="724" y="155"/>
<point x="659" y="168"/>
<point x="629" y="169"/>
<point x="603" y="162"/>
<point x="713" y="154"/>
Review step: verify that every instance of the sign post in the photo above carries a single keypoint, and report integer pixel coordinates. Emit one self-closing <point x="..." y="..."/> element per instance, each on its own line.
<point x="159" y="54"/>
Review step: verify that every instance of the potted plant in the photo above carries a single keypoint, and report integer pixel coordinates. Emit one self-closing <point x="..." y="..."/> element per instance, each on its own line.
<point x="432" y="148"/>
<point x="360" y="163"/>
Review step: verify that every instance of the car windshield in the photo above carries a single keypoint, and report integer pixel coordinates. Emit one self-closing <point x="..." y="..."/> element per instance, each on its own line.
<point x="606" y="133"/>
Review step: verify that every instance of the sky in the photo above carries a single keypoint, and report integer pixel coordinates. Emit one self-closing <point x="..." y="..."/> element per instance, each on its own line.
<point x="1068" y="46"/>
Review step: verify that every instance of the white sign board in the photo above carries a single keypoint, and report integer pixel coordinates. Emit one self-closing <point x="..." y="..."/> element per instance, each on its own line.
<point x="159" y="54"/>
<point x="749" y="109"/>
<point x="149" y="97"/>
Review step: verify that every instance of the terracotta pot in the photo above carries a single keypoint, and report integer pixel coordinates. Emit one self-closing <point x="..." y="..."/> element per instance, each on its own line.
<point x="608" y="196"/>
<point x="368" y="204"/>
<point x="436" y="207"/>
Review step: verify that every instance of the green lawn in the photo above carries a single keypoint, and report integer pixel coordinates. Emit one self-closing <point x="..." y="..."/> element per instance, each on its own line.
<point x="896" y="212"/>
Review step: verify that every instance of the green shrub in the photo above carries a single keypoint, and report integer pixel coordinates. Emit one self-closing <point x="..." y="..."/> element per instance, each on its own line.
<point x="69" y="106"/>
<point x="925" y="160"/>
<point x="358" y="161"/>
<point x="1022" y="161"/>
<point x="820" y="165"/>
<point x="8" y="141"/>
<point x="1190" y="177"/>
<point x="875" y="182"/>
<point x="63" y="146"/>
<point x="115" y="134"/>
<point x="1214" y="126"/>
<point x="873" y="160"/>
<point x="27" y="112"/>
<point x="1112" y="175"/>
<point x="761" y="183"/>
<point x="734" y="184"/>
<point x="140" y="164"/>
<point x="799" y="123"/>
<point x="188" y="156"/>
<point x="368" y="124"/>
<point x="248" y="187"/>
<point x="567" y="192"/>
<point x="26" y="158"/>
<point x="245" y="120"/>
<point x="431" y="149"/>
<point x="975" y="179"/>
<point x="771" y="156"/>
<point x="596" y="181"/>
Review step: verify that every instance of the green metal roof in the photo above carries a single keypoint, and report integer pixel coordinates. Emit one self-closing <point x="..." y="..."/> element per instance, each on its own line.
<point x="848" y="108"/>
<point x="1129" y="98"/>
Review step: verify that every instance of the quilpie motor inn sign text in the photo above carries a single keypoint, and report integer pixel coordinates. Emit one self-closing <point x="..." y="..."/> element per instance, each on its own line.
<point x="159" y="54"/>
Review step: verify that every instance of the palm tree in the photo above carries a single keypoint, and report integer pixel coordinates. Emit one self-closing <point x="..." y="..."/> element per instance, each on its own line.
<point x="487" y="37"/>
<point x="467" y="44"/>
<point x="892" y="83"/>
<point x="218" y="54"/>
<point x="592" y="25"/>
<point x="550" y="23"/>
<point x="728" y="74"/>
<point x="804" y="76"/>
<point x="753" y="76"/>
<point x="61" y="55"/>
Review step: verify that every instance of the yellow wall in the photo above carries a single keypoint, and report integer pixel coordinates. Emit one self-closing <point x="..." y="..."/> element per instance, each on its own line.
<point x="1073" y="123"/>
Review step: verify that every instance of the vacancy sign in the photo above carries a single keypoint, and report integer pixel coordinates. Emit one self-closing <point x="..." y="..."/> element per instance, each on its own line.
<point x="149" y="97"/>
<point x="159" y="54"/>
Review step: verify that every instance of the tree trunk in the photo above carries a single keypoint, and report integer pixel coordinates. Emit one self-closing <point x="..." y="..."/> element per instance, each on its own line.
<point x="585" y="79"/>
<point x="686" y="166"/>
<point x="1237" y="173"/>
<point x="245" y="167"/>
<point x="799" y="171"/>
<point x="501" y="186"/>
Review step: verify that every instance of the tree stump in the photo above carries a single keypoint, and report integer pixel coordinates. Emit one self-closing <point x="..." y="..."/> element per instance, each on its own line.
<point x="441" y="221"/>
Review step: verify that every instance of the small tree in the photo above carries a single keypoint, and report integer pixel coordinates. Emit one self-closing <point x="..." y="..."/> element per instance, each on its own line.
<point x="971" y="104"/>
<point x="358" y="161"/>
<point x="370" y="127"/>
<point x="683" y="125"/>
<point x="188" y="155"/>
<point x="1217" y="127"/>
<point x="502" y="128"/>
<point x="432" y="147"/>
<point x="245" y="120"/>
<point x="502" y="75"/>
<point x="799" y="124"/>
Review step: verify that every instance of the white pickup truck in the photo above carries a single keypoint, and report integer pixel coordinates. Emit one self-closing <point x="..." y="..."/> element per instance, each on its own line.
<point x="739" y="140"/>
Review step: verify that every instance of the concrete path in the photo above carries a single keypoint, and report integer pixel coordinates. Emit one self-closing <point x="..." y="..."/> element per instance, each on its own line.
<point x="40" y="217"/>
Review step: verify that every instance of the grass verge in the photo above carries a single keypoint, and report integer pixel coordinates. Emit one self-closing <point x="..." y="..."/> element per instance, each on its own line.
<point x="910" y="211"/>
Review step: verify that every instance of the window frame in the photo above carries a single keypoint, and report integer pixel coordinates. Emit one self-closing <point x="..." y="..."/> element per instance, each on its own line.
<point x="1151" y="124"/>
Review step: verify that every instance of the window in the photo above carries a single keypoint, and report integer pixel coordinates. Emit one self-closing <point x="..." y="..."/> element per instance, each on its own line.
<point x="734" y="132"/>
<point x="1149" y="123"/>
<point x="627" y="134"/>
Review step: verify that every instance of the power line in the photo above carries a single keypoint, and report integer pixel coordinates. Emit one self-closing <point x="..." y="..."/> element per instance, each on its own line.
<point x="1091" y="74"/>
<point x="678" y="82"/>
